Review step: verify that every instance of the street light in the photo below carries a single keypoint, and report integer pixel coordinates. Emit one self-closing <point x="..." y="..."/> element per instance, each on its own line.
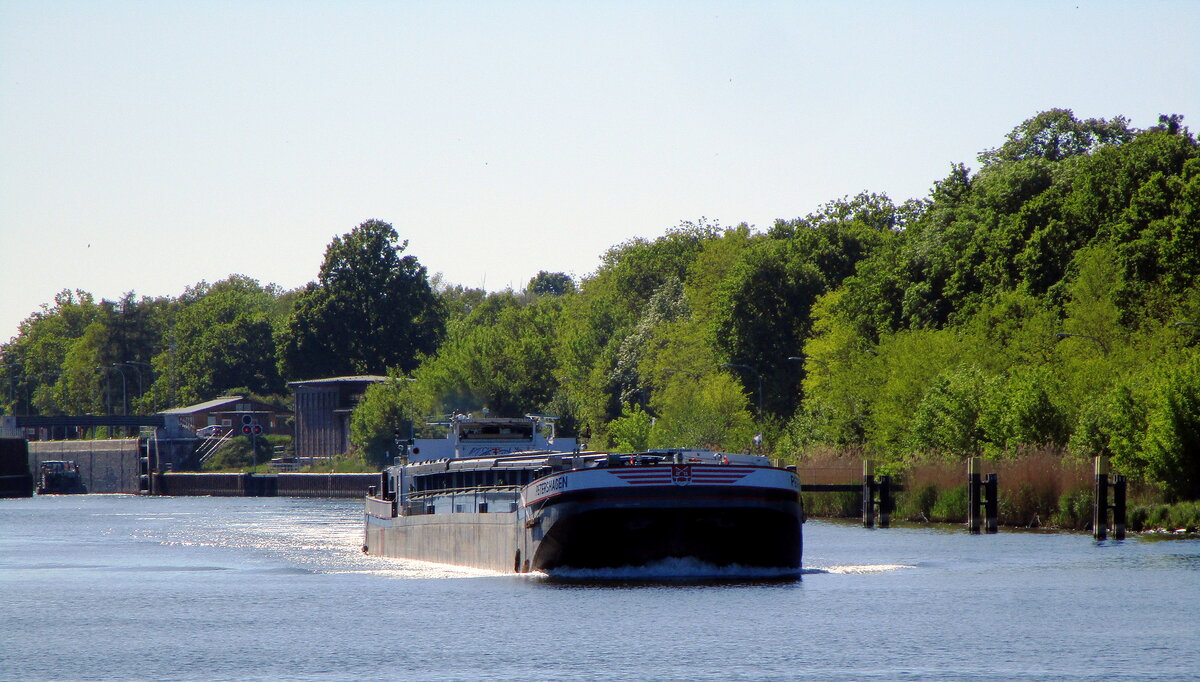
<point x="126" y="363"/>
<point x="1103" y="346"/>
<point x="139" y="363"/>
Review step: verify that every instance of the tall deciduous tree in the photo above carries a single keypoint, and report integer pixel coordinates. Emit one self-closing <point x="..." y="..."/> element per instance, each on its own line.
<point x="764" y="316"/>
<point x="371" y="309"/>
<point x="1056" y="134"/>
<point x="221" y="342"/>
<point x="551" y="284"/>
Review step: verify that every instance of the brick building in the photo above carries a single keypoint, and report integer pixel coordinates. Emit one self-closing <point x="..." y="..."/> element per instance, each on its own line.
<point x="227" y="412"/>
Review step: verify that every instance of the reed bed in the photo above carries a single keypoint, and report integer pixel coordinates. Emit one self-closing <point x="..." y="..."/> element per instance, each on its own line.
<point x="1038" y="487"/>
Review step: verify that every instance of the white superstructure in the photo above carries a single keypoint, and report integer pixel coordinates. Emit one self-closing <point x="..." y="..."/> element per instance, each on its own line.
<point x="469" y="436"/>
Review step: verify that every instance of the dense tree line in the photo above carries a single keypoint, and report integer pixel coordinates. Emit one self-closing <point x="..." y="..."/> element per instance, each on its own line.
<point x="370" y="309"/>
<point x="1047" y="299"/>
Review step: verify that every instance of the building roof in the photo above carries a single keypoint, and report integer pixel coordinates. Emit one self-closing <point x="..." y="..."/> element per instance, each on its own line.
<point x="360" y="379"/>
<point x="217" y="403"/>
<point x="207" y="406"/>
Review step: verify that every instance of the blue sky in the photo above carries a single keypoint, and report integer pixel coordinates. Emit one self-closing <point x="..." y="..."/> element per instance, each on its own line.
<point x="146" y="146"/>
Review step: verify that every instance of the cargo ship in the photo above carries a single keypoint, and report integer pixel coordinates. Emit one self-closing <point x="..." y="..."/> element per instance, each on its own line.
<point x="506" y="495"/>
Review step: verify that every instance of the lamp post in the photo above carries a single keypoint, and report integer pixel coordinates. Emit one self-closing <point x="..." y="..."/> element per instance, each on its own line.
<point x="1103" y="346"/>
<point x="124" y="391"/>
<point x="134" y="366"/>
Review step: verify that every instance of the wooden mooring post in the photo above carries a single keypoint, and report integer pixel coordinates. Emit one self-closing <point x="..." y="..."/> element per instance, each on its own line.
<point x="1101" y="507"/>
<point x="876" y="493"/>
<point x="982" y="491"/>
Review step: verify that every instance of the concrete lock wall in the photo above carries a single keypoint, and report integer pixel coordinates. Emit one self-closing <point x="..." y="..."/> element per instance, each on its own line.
<point x="268" y="485"/>
<point x="325" y="485"/>
<point x="106" y="466"/>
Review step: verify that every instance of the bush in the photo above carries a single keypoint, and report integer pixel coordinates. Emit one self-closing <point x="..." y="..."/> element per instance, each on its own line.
<point x="235" y="455"/>
<point x="1173" y="432"/>
<point x="354" y="463"/>
<point x="835" y="505"/>
<point x="1075" y="509"/>
<point x="917" y="505"/>
<point x="1027" y="505"/>
<point x="1136" y="518"/>
<point x="1158" y="516"/>
<point x="950" y="505"/>
<point x="1184" y="515"/>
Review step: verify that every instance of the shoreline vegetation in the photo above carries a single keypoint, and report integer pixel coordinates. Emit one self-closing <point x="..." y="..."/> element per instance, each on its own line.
<point x="1037" y="310"/>
<point x="1039" y="490"/>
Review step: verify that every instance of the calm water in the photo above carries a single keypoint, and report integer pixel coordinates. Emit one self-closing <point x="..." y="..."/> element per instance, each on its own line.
<point x="121" y="587"/>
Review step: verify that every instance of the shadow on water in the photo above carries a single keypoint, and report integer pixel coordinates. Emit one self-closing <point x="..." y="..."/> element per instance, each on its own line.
<point x="658" y="583"/>
<point x="673" y="573"/>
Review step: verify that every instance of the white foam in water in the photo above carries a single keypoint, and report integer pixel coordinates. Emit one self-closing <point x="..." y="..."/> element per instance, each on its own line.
<point x="860" y="570"/>
<point x="675" y="569"/>
<point x="413" y="568"/>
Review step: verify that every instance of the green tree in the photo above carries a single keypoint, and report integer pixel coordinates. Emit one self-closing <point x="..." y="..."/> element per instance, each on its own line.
<point x="1172" y="441"/>
<point x="457" y="300"/>
<point x="763" y="317"/>
<point x="500" y="357"/>
<point x="596" y="321"/>
<point x="371" y="309"/>
<point x="221" y="342"/>
<point x="384" y="409"/>
<point x="708" y="412"/>
<point x="841" y="375"/>
<point x="1021" y="410"/>
<point x="631" y="431"/>
<point x="1092" y="310"/>
<point x="948" y="418"/>
<point x="551" y="284"/>
<point x="1056" y="134"/>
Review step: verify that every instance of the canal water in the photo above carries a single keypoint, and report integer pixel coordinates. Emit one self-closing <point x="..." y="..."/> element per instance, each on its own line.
<point x="111" y="587"/>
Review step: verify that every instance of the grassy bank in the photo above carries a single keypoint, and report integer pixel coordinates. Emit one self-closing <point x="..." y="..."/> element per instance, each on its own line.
<point x="1036" y="490"/>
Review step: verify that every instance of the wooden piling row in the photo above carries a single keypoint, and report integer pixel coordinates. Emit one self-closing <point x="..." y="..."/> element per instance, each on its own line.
<point x="868" y="494"/>
<point x="982" y="491"/>
<point x="1100" y="505"/>
<point x="877" y="493"/>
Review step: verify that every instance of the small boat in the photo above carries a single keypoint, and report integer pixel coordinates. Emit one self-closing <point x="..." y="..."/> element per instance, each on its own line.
<point x="498" y="494"/>
<point x="59" y="478"/>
